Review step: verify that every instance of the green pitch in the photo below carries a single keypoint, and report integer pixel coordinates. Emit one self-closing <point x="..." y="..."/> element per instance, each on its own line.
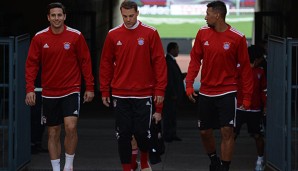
<point x="187" y="26"/>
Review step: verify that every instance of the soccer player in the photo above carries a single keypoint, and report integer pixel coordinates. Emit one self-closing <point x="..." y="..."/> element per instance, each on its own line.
<point x="133" y="69"/>
<point x="218" y="49"/>
<point x="63" y="56"/>
<point x="253" y="117"/>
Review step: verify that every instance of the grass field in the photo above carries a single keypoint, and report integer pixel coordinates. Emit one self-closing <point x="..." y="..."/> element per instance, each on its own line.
<point x="187" y="26"/>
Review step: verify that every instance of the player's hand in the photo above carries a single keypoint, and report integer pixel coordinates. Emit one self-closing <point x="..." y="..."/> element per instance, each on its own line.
<point x="88" y="96"/>
<point x="157" y="117"/>
<point x="191" y="94"/>
<point x="106" y="101"/>
<point x="30" y="99"/>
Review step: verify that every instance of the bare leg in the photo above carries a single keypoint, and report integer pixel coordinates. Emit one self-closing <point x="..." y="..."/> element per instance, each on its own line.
<point x="208" y="140"/>
<point x="134" y="144"/>
<point x="54" y="144"/>
<point x="134" y="154"/>
<point x="209" y="143"/>
<point x="259" y="144"/>
<point x="70" y="141"/>
<point x="71" y="135"/>
<point x="260" y="150"/>
<point x="227" y="143"/>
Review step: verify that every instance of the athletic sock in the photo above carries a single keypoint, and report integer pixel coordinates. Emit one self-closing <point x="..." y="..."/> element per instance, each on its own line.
<point x="134" y="154"/>
<point x="144" y="160"/>
<point x="68" y="161"/>
<point x="56" y="164"/>
<point x="226" y="164"/>
<point x="126" y="167"/>
<point x="260" y="159"/>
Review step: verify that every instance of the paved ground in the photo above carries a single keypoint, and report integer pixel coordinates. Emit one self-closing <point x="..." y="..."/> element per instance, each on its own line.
<point x="97" y="148"/>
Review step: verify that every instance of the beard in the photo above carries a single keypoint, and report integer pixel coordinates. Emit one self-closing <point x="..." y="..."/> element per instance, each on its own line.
<point x="211" y="25"/>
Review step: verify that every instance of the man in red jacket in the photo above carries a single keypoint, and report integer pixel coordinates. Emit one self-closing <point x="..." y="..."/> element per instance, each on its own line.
<point x="218" y="49"/>
<point x="253" y="117"/>
<point x="63" y="56"/>
<point x="133" y="69"/>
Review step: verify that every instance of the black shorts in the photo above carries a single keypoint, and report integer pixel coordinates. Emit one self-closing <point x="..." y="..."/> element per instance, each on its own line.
<point x="253" y="121"/>
<point x="55" y="109"/>
<point x="216" y="112"/>
<point x="133" y="115"/>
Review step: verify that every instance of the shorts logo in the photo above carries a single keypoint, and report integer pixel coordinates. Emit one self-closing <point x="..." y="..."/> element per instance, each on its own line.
<point x="114" y="102"/>
<point x="226" y="45"/>
<point x="66" y="45"/>
<point x="199" y="123"/>
<point x="43" y="120"/>
<point x="149" y="134"/>
<point x="231" y="122"/>
<point x="76" y="112"/>
<point x="148" y="103"/>
<point x="117" y="133"/>
<point x="141" y="41"/>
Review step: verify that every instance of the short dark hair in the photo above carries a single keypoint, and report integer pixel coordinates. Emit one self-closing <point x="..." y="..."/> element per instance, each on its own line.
<point x="171" y="45"/>
<point x="56" y="5"/>
<point x="126" y="4"/>
<point x="255" y="52"/>
<point x="218" y="6"/>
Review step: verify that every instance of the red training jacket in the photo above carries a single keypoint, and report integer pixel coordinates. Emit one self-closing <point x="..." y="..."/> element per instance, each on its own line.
<point x="62" y="57"/>
<point x="219" y="53"/>
<point x="133" y="63"/>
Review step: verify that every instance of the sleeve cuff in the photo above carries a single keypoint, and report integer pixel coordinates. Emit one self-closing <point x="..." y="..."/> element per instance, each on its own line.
<point x="90" y="88"/>
<point x="158" y="108"/>
<point x="105" y="94"/>
<point x="159" y="93"/>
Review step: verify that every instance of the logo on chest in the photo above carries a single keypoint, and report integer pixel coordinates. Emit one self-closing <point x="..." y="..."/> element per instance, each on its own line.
<point x="141" y="41"/>
<point x="226" y="45"/>
<point x="66" y="45"/>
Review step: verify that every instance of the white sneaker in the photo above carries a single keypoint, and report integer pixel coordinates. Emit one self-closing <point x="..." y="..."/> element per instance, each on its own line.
<point x="260" y="166"/>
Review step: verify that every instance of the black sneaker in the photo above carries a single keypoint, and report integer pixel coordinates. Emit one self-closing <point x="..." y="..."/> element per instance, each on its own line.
<point x="222" y="168"/>
<point x="215" y="165"/>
